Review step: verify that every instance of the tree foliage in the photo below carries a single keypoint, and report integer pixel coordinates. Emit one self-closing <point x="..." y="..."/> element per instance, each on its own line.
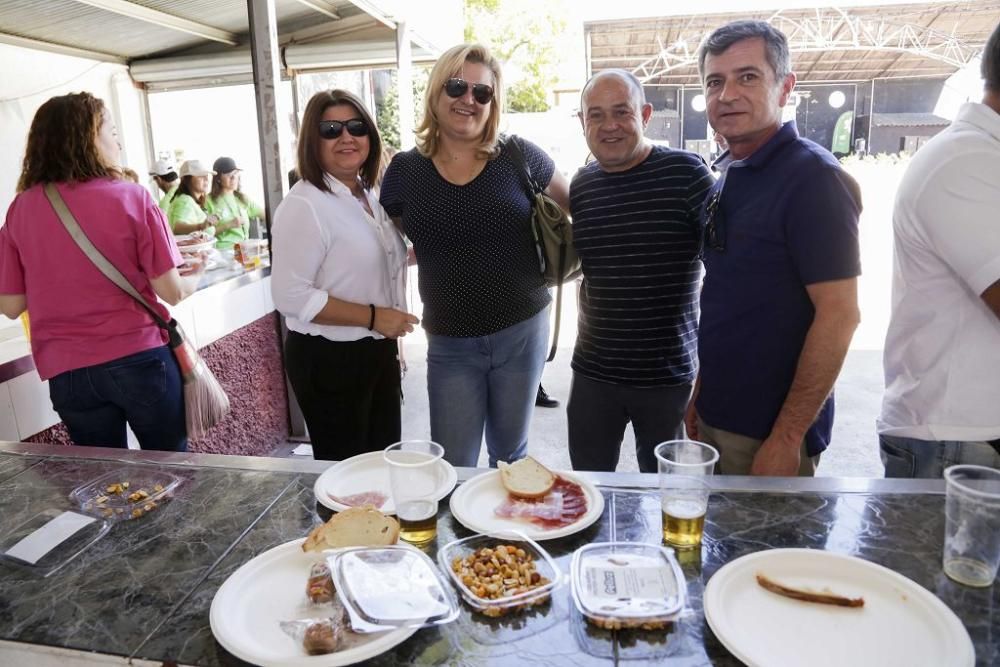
<point x="387" y="113"/>
<point x="523" y="34"/>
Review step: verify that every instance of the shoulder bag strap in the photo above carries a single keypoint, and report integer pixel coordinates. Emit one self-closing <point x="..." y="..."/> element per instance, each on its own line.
<point x="99" y="260"/>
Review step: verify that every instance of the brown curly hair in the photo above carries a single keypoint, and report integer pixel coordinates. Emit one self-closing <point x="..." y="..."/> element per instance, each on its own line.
<point x="62" y="142"/>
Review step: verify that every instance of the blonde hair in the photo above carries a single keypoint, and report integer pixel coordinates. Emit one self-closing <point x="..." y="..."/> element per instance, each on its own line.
<point x="447" y="66"/>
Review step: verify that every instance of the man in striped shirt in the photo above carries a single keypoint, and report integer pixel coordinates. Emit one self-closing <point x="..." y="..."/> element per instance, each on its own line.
<point x="636" y="228"/>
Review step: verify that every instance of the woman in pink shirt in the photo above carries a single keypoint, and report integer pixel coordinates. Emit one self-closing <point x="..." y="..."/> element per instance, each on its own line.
<point x="104" y="357"/>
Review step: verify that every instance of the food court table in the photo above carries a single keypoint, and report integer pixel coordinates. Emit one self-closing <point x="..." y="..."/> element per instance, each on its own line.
<point x="144" y="591"/>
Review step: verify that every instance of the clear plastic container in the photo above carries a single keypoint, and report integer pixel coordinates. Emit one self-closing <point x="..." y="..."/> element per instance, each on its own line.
<point x="391" y="587"/>
<point x="550" y="576"/>
<point x="50" y="539"/>
<point x="126" y="493"/>
<point x="618" y="585"/>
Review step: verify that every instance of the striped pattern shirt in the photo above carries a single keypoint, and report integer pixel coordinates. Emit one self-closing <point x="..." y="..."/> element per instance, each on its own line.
<point x="638" y="235"/>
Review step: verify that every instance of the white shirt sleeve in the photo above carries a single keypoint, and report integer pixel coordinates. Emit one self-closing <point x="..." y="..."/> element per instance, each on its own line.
<point x="299" y="249"/>
<point x="959" y="217"/>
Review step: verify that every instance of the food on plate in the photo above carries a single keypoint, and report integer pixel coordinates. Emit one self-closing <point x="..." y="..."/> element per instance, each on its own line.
<point x="319" y="587"/>
<point x="500" y="572"/>
<point x="195" y="238"/>
<point x="354" y="527"/>
<point x="322" y="637"/>
<point x="820" y="597"/>
<point x="562" y="506"/>
<point x="526" y="478"/>
<point x="374" y="498"/>
<point x="138" y="499"/>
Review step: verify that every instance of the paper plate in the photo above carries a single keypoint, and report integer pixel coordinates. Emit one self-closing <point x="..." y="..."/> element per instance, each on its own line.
<point x="901" y="622"/>
<point x="249" y="606"/>
<point x="473" y="503"/>
<point x="368" y="472"/>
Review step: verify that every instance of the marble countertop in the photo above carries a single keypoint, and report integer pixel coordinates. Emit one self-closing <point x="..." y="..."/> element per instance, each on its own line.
<point x="144" y="591"/>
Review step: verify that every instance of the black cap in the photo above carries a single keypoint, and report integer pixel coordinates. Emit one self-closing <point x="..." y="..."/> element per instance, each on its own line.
<point x="224" y="165"/>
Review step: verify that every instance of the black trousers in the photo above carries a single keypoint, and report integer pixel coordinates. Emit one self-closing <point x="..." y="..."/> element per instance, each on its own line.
<point x="349" y="393"/>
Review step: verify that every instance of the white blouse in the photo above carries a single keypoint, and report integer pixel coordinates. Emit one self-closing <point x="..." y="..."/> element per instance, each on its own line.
<point x="326" y="244"/>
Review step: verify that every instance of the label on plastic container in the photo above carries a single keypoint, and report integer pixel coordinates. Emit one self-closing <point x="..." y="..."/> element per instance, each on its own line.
<point x="33" y="547"/>
<point x="629" y="584"/>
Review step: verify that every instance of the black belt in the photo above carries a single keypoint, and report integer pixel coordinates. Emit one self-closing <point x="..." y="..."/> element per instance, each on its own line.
<point x="995" y="444"/>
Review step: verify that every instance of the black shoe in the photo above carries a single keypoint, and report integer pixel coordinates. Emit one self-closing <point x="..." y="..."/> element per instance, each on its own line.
<point x="543" y="400"/>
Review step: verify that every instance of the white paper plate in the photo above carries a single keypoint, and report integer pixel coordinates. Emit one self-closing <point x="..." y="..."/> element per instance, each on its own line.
<point x="901" y="622"/>
<point x="473" y="504"/>
<point x="249" y="606"/>
<point x="368" y="472"/>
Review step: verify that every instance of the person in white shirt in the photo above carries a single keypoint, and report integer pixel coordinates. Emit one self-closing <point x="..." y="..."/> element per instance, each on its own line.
<point x="338" y="276"/>
<point x="942" y="351"/>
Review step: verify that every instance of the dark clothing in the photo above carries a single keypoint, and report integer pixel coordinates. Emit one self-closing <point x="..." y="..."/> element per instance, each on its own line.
<point x="479" y="270"/>
<point x="788" y="216"/>
<point x="144" y="389"/>
<point x="349" y="392"/>
<point x="638" y="234"/>
<point x="598" y="413"/>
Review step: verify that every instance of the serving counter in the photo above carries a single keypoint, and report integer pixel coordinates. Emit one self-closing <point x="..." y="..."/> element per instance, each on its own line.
<point x="144" y="591"/>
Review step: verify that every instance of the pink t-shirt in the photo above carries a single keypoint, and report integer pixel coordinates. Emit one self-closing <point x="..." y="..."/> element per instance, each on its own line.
<point x="78" y="317"/>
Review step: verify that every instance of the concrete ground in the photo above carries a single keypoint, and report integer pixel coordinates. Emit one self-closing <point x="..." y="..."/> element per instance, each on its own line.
<point x="854" y="452"/>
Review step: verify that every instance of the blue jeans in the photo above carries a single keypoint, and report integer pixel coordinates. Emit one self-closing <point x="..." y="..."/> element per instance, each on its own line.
<point x="910" y="457"/>
<point x="144" y="389"/>
<point x="486" y="382"/>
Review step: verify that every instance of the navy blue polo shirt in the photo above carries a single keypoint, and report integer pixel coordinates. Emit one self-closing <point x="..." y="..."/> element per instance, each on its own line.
<point x="788" y="217"/>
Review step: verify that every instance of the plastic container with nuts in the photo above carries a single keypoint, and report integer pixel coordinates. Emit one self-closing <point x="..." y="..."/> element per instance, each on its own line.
<point x="619" y="585"/>
<point x="500" y="573"/>
<point x="126" y="493"/>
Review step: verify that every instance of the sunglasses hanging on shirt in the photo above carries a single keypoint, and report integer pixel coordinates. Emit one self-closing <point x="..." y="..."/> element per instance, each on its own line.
<point x="331" y="129"/>
<point x="480" y="91"/>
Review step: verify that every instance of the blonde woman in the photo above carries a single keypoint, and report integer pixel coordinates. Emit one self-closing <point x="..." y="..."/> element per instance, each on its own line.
<point x="459" y="198"/>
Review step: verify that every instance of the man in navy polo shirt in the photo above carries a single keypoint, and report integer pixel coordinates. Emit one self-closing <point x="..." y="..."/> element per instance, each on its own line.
<point x="779" y="301"/>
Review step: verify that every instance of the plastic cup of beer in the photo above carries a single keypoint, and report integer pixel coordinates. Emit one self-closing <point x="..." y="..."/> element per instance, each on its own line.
<point x="972" y="524"/>
<point x="415" y="478"/>
<point x="685" y="466"/>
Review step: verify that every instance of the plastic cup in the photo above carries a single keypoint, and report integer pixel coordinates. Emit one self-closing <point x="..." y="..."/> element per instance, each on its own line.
<point x="684" y="466"/>
<point x="415" y="478"/>
<point x="972" y="524"/>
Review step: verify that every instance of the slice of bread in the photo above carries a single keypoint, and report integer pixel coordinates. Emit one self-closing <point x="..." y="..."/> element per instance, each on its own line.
<point x="354" y="527"/>
<point x="526" y="478"/>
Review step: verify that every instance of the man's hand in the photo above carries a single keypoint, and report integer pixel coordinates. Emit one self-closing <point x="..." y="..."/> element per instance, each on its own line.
<point x="777" y="457"/>
<point x="691" y="421"/>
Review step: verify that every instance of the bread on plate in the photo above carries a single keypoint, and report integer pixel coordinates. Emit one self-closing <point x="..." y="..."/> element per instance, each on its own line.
<point x="526" y="478"/>
<point x="354" y="527"/>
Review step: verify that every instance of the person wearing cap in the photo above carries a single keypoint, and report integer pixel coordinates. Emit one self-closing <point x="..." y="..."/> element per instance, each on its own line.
<point x="186" y="213"/>
<point x="165" y="175"/>
<point x="233" y="208"/>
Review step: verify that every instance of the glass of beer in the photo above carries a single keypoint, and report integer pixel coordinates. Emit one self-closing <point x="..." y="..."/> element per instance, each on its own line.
<point x="684" y="466"/>
<point x="415" y="478"/>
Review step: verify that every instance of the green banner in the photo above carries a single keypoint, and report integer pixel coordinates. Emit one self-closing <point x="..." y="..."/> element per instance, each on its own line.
<point x="842" y="134"/>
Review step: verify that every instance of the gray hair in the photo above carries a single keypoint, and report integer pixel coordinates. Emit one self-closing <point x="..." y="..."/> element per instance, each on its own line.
<point x="775" y="43"/>
<point x="629" y="79"/>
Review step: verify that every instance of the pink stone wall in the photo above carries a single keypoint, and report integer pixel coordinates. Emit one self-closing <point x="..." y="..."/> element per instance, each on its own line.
<point x="248" y="364"/>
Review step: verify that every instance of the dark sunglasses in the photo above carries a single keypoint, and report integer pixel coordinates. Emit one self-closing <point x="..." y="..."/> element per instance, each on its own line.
<point x="458" y="87"/>
<point x="331" y="129"/>
<point x="715" y="232"/>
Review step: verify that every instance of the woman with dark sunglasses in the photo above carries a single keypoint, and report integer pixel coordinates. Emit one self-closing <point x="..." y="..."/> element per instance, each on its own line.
<point x="338" y="276"/>
<point x="459" y="198"/>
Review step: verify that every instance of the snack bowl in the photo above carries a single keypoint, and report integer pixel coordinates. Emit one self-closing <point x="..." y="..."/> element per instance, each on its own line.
<point x="622" y="585"/>
<point x="511" y="592"/>
<point x="126" y="493"/>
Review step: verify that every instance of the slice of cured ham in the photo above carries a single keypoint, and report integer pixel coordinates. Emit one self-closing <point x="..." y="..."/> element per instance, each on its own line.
<point x="561" y="506"/>
<point x="374" y="498"/>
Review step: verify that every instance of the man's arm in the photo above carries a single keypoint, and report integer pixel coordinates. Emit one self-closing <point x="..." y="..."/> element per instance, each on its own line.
<point x="992" y="298"/>
<point x="829" y="335"/>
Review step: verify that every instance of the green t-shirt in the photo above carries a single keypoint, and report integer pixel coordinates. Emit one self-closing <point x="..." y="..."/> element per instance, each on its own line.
<point x="227" y="207"/>
<point x="167" y="198"/>
<point x="183" y="208"/>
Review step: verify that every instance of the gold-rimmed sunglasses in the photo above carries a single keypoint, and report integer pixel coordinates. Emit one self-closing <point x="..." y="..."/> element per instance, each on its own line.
<point x="715" y="232"/>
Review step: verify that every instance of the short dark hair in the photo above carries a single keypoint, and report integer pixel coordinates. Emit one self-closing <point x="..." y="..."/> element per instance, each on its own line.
<point x="991" y="61"/>
<point x="775" y="44"/>
<point x="309" y="167"/>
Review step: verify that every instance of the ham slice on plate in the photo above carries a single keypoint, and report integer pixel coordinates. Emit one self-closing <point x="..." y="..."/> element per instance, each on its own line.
<point x="374" y="498"/>
<point x="562" y="506"/>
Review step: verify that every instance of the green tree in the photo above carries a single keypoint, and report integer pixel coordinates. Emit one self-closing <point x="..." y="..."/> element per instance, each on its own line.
<point x="524" y="35"/>
<point x="387" y="113"/>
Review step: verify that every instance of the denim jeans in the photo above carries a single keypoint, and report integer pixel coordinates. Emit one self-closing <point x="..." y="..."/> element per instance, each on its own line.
<point x="910" y="457"/>
<point x="144" y="389"/>
<point x="487" y="382"/>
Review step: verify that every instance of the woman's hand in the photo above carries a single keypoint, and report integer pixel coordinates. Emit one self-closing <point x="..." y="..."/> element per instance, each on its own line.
<point x="393" y="323"/>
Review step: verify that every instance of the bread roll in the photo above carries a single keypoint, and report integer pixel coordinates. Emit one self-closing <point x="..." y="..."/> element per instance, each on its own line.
<point x="354" y="527"/>
<point x="526" y="478"/>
